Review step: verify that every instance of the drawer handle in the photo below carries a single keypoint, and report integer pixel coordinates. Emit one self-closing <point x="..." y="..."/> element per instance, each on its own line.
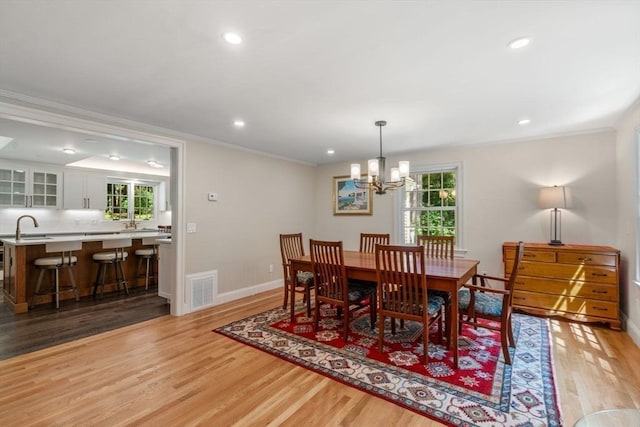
<point x="585" y="259"/>
<point x="600" y="308"/>
<point x="596" y="291"/>
<point x="528" y="255"/>
<point x="599" y="274"/>
<point x="522" y="298"/>
<point x="519" y="283"/>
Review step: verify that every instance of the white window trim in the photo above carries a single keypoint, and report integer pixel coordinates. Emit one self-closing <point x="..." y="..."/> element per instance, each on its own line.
<point x="400" y="196"/>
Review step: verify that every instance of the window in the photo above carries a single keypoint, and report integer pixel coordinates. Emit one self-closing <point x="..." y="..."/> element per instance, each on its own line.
<point x="429" y="204"/>
<point x="126" y="200"/>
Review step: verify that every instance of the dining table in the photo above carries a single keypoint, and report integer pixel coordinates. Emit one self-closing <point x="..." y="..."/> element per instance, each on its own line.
<point x="443" y="274"/>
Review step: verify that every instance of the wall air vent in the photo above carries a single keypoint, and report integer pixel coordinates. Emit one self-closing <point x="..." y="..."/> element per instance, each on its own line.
<point x="202" y="289"/>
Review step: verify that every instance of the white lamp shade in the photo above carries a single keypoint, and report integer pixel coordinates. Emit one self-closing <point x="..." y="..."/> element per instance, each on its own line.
<point x="395" y="174"/>
<point x="553" y="197"/>
<point x="403" y="165"/>
<point x="373" y="169"/>
<point x="355" y="170"/>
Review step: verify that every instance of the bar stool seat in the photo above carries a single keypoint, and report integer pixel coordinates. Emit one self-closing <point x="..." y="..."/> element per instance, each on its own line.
<point x="115" y="258"/>
<point x="65" y="260"/>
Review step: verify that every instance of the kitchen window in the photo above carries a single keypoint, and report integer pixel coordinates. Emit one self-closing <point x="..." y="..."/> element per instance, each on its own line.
<point x="126" y="200"/>
<point x="430" y="204"/>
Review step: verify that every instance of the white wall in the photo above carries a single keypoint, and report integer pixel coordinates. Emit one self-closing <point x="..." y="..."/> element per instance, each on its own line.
<point x="259" y="198"/>
<point x="627" y="216"/>
<point x="500" y="183"/>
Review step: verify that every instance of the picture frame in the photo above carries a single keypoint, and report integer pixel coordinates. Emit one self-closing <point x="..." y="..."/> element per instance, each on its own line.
<point x="349" y="200"/>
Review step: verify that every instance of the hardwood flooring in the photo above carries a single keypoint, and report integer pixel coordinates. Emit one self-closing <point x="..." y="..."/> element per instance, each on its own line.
<point x="173" y="371"/>
<point x="44" y="326"/>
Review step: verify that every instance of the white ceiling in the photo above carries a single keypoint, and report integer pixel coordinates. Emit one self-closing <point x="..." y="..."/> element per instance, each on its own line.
<point x="313" y="75"/>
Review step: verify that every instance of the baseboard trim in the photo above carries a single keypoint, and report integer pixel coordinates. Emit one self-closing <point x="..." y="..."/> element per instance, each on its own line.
<point x="247" y="292"/>
<point x="632" y="329"/>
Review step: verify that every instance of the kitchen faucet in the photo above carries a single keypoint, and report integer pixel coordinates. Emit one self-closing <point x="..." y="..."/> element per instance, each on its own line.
<point x="35" y="222"/>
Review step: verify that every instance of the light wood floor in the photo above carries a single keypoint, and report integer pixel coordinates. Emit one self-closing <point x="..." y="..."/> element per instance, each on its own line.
<point x="173" y="371"/>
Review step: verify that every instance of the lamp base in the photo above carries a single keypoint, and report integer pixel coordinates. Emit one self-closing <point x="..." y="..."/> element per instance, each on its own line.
<point x="556" y="243"/>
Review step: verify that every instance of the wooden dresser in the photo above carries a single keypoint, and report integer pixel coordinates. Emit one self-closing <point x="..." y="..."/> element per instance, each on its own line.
<point x="577" y="282"/>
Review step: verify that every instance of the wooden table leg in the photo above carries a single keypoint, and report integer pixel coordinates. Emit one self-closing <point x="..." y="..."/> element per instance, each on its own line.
<point x="454" y="327"/>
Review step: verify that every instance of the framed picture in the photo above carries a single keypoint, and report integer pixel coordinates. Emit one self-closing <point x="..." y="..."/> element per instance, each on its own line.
<point x="349" y="200"/>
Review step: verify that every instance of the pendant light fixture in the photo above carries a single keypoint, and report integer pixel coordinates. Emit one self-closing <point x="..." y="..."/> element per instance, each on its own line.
<point x="376" y="180"/>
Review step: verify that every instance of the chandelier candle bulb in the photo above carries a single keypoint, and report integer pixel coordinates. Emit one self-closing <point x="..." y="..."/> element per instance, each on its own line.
<point x="373" y="169"/>
<point x="395" y="174"/>
<point x="355" y="170"/>
<point x="403" y="166"/>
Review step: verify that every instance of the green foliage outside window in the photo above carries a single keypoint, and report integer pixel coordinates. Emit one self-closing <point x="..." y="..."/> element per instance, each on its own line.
<point x="118" y="199"/>
<point x="430" y="205"/>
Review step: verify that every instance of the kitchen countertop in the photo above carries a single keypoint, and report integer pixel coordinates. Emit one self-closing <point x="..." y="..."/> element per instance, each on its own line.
<point x="44" y="238"/>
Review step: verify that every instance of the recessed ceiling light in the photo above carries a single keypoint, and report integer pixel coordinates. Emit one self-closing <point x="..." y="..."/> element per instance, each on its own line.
<point x="331" y="151"/>
<point x="519" y="42"/>
<point x="154" y="164"/>
<point x="69" y="150"/>
<point x="232" y="38"/>
<point x="114" y="157"/>
<point x="524" y="121"/>
<point x="238" y="123"/>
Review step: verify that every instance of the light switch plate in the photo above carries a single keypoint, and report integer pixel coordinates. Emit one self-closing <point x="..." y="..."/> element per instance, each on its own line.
<point x="191" y="227"/>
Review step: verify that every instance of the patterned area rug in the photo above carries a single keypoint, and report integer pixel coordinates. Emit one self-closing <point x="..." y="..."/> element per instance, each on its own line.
<point x="484" y="391"/>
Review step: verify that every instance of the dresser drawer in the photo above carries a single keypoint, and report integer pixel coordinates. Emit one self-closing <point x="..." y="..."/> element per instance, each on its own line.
<point x="587" y="259"/>
<point x="531" y="255"/>
<point x="585" y="273"/>
<point x="553" y="303"/>
<point x="567" y="288"/>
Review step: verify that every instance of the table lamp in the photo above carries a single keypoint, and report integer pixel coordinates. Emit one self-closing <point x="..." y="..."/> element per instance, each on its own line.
<point x="554" y="198"/>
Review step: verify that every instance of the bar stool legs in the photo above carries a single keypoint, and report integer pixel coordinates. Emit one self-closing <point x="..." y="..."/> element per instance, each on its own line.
<point x="147" y="255"/>
<point x="116" y="259"/>
<point x="54" y="264"/>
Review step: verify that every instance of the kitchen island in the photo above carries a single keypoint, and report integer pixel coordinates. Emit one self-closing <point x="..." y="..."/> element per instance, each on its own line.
<point x="20" y="274"/>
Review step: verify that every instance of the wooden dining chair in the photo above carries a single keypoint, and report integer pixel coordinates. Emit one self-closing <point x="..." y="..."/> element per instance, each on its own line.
<point x="291" y="247"/>
<point x="333" y="287"/>
<point x="484" y="302"/>
<point x="368" y="241"/>
<point x="437" y="246"/>
<point x="440" y="247"/>
<point x="402" y="291"/>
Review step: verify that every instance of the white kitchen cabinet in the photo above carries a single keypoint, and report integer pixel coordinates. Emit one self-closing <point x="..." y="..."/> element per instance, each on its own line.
<point x="84" y="191"/>
<point x="29" y="187"/>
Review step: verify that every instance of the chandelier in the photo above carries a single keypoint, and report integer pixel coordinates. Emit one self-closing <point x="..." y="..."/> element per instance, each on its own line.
<point x="375" y="180"/>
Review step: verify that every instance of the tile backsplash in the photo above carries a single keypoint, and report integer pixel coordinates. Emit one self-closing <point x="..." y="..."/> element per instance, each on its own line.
<point x="59" y="220"/>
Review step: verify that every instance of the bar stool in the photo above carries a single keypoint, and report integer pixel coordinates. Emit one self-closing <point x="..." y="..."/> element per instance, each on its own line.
<point x="115" y="258"/>
<point x="66" y="260"/>
<point x="148" y="255"/>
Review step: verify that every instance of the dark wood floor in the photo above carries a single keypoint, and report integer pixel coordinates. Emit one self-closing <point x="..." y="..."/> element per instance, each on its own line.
<point x="44" y="326"/>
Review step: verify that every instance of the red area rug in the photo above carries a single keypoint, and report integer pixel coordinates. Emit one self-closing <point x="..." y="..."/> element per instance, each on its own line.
<point x="483" y="391"/>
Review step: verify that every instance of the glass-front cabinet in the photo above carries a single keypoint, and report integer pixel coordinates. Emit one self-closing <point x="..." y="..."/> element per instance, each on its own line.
<point x="29" y="187"/>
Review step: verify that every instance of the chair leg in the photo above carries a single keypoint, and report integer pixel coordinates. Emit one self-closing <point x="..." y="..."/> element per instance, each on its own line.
<point x="56" y="284"/>
<point x="505" y="344"/>
<point x="307" y="297"/>
<point x="381" y="332"/>
<point x="346" y="323"/>
<point x="146" y="276"/>
<point x="512" y="342"/>
<point x="425" y="343"/>
<point x="124" y="278"/>
<point x="286" y="295"/>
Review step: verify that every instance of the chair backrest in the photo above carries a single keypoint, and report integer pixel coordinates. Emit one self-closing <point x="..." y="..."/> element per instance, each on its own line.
<point x="402" y="281"/>
<point x="330" y="274"/>
<point x="437" y="246"/>
<point x="514" y="271"/>
<point x="290" y="247"/>
<point x="368" y="241"/>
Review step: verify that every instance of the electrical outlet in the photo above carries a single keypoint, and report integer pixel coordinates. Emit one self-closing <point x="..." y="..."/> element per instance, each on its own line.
<point x="270" y="268"/>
